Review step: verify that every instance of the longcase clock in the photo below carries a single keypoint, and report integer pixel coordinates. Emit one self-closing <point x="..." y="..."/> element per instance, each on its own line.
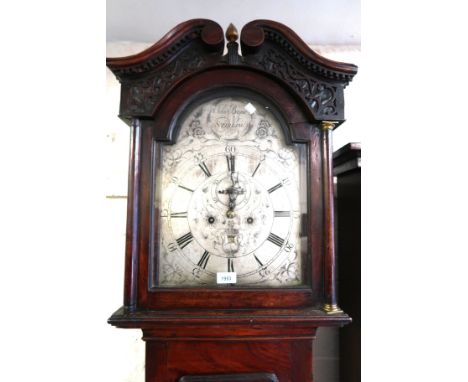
<point x="230" y="263"/>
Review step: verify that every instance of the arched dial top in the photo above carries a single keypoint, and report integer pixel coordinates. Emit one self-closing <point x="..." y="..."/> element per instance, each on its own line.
<point x="231" y="197"/>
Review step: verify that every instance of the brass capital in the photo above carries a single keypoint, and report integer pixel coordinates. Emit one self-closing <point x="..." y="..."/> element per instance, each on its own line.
<point x="328" y="125"/>
<point x="331" y="309"/>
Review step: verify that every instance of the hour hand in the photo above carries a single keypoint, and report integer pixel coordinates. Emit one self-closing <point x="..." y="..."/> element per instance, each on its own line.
<point x="233" y="192"/>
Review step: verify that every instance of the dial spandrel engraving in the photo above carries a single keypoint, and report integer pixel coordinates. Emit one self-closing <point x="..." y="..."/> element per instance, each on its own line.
<point x="230" y="196"/>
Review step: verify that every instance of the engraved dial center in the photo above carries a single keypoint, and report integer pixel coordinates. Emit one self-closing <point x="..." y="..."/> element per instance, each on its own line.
<point x="238" y="211"/>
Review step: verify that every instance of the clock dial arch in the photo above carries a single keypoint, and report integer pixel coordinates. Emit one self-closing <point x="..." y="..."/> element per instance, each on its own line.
<point x="193" y="92"/>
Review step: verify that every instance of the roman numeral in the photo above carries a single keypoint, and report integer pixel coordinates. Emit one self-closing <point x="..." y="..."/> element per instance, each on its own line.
<point x="230" y="264"/>
<point x="231" y="163"/>
<point x="258" y="260"/>
<point x="274" y="188"/>
<point x="185" y="188"/>
<point x="282" y="214"/>
<point x="185" y="240"/>
<point x="205" y="169"/>
<point x="275" y="239"/>
<point x="256" y="168"/>
<point x="204" y="259"/>
<point x="176" y="181"/>
<point x="179" y="214"/>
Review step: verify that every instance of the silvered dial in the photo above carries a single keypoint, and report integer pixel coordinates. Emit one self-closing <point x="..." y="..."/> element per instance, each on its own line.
<point x="230" y="198"/>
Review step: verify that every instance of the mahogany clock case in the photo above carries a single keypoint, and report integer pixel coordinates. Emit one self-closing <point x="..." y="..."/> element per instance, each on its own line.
<point x="229" y="333"/>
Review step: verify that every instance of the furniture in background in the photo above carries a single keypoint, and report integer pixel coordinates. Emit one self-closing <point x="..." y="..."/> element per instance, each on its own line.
<point x="347" y="172"/>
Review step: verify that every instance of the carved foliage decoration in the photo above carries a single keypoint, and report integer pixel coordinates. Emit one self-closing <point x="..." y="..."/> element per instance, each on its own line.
<point x="144" y="94"/>
<point x="320" y="96"/>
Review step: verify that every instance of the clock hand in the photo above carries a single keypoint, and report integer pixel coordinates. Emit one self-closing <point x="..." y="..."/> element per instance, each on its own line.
<point x="233" y="192"/>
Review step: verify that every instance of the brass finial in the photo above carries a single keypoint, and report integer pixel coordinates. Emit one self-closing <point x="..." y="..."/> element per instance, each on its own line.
<point x="231" y="33"/>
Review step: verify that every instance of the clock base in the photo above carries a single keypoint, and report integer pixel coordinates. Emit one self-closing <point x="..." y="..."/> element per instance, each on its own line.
<point x="243" y="345"/>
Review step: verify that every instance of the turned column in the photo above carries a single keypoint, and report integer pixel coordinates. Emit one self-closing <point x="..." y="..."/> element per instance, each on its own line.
<point x="133" y="201"/>
<point x="330" y="304"/>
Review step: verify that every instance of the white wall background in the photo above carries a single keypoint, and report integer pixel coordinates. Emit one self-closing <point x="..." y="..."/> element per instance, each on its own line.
<point x="317" y="22"/>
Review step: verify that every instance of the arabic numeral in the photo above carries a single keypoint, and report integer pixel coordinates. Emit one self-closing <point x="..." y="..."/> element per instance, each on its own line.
<point x="231" y="149"/>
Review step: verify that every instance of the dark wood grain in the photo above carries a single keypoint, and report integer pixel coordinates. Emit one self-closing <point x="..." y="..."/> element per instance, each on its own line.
<point x="315" y="214"/>
<point x="180" y="358"/>
<point x="329" y="276"/>
<point x="124" y="318"/>
<point x="146" y="187"/>
<point x="132" y="232"/>
<point x="224" y="297"/>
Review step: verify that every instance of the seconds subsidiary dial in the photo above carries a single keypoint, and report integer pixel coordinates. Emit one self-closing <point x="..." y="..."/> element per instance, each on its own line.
<point x="230" y="198"/>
